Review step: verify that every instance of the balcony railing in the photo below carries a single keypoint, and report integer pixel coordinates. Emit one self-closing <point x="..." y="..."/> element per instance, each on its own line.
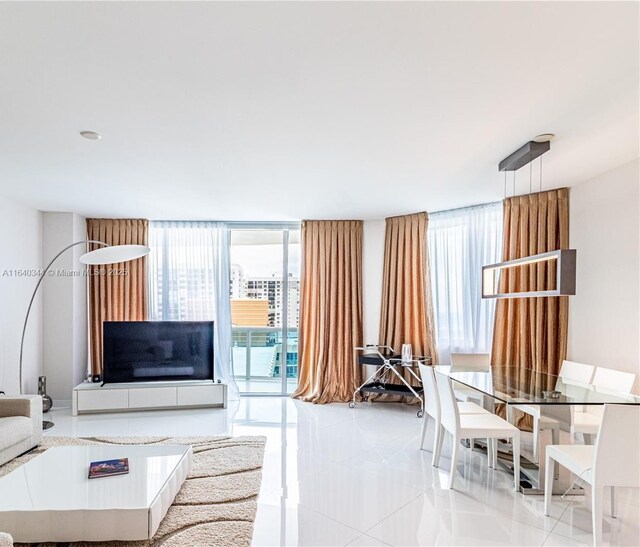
<point x="258" y="353"/>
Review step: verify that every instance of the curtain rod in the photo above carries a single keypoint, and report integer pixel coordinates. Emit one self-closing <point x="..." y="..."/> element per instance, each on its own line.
<point x="465" y="207"/>
<point x="540" y="192"/>
<point x="298" y="223"/>
<point x="409" y="214"/>
<point x="238" y="223"/>
<point x="449" y="210"/>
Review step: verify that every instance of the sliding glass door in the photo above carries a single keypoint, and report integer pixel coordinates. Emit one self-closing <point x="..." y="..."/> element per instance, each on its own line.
<point x="265" y="302"/>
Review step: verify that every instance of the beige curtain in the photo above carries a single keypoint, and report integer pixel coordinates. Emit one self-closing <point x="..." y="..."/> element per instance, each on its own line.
<point x="117" y="292"/>
<point x="531" y="333"/>
<point x="330" y="310"/>
<point x="407" y="314"/>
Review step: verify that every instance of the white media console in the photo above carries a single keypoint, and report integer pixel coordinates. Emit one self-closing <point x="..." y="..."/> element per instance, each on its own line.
<point x="94" y="398"/>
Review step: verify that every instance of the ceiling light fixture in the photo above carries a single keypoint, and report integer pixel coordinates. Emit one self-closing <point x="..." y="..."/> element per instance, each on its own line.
<point x="91" y="135"/>
<point x="544" y="137"/>
<point x="523" y="155"/>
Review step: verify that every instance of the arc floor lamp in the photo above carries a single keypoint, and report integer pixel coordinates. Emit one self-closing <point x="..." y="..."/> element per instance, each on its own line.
<point x="106" y="254"/>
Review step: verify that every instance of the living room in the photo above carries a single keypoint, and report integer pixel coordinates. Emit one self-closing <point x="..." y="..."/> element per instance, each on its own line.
<point x="320" y="273"/>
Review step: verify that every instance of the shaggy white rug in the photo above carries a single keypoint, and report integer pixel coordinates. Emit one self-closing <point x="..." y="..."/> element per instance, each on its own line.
<point x="216" y="504"/>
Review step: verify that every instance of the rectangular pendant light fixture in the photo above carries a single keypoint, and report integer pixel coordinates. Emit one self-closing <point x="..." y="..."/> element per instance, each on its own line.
<point x="565" y="275"/>
<point x="523" y="155"/>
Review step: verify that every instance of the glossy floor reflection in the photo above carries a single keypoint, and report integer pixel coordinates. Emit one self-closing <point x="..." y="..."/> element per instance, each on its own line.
<point x="336" y="476"/>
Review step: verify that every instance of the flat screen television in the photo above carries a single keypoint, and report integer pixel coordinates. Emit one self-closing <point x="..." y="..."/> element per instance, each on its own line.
<point x="145" y="351"/>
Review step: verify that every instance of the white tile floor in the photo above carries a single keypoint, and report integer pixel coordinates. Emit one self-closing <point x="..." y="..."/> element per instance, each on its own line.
<point x="336" y="476"/>
<point x="265" y="385"/>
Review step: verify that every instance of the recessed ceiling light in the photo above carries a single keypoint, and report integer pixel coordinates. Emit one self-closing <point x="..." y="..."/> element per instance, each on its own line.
<point x="91" y="135"/>
<point x="544" y="137"/>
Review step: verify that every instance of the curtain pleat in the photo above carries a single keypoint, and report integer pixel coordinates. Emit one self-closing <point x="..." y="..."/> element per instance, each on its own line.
<point x="330" y="310"/>
<point x="117" y="292"/>
<point x="407" y="314"/>
<point x="531" y="333"/>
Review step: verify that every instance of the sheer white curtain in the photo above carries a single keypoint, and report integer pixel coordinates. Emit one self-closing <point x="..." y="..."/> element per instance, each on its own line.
<point x="461" y="241"/>
<point x="189" y="269"/>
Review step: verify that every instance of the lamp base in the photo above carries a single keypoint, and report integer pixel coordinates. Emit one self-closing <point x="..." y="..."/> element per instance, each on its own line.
<point x="46" y="424"/>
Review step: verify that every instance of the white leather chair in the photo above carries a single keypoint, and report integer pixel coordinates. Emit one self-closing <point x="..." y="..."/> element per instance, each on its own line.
<point x="587" y="421"/>
<point x="469" y="362"/>
<point x="570" y="371"/>
<point x="432" y="407"/>
<point x="469" y="426"/>
<point x="613" y="461"/>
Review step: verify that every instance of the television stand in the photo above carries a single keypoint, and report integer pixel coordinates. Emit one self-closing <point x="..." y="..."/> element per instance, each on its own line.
<point x="94" y="398"/>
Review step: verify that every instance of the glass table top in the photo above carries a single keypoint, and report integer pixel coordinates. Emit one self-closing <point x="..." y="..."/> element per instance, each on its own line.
<point x="516" y="385"/>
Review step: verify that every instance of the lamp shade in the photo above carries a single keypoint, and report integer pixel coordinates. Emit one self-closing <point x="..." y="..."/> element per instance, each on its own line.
<point x="114" y="253"/>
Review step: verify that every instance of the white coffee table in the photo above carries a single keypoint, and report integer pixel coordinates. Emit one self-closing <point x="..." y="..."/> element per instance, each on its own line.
<point x="50" y="498"/>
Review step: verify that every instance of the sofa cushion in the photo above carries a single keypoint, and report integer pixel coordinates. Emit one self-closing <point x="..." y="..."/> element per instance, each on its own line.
<point x="13" y="430"/>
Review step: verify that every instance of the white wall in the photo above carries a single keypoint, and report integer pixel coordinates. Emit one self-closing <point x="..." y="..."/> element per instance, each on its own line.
<point x="64" y="306"/>
<point x="20" y="249"/>
<point x="372" y="268"/>
<point x="604" y="323"/>
<point x="80" y="310"/>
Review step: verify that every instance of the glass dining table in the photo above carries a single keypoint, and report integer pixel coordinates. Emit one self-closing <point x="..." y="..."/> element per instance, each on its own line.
<point x="556" y="398"/>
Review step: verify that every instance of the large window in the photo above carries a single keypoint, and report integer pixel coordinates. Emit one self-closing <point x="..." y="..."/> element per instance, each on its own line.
<point x="189" y="281"/>
<point x="265" y="299"/>
<point x="244" y="277"/>
<point x="460" y="243"/>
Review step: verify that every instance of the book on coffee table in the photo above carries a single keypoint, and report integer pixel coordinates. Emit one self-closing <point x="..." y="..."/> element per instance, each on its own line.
<point x="108" y="468"/>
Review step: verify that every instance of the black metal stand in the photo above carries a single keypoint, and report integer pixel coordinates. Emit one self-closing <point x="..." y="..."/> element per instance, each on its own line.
<point x="386" y="362"/>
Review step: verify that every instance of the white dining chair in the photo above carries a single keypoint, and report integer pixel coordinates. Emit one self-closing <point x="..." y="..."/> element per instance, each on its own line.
<point x="470" y="362"/>
<point x="587" y="421"/>
<point x="432" y="407"/>
<point x="570" y="371"/>
<point x="613" y="380"/>
<point x="613" y="461"/>
<point x="575" y="372"/>
<point x="470" y="426"/>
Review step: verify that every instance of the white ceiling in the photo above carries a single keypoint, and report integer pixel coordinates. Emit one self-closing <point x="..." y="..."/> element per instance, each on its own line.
<point x="283" y="111"/>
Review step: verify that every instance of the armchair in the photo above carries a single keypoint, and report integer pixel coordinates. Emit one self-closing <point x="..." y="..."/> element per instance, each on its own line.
<point x="20" y="425"/>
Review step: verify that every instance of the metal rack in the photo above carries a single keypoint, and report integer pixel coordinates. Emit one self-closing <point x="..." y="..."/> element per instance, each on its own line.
<point x="387" y="363"/>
